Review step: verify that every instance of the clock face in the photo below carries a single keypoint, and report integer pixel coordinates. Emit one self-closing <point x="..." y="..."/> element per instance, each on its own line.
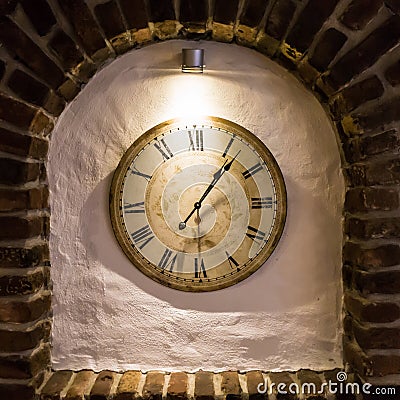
<point x="199" y="206"/>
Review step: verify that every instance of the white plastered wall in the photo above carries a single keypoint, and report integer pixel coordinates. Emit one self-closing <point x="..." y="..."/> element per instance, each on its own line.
<point x="108" y="315"/>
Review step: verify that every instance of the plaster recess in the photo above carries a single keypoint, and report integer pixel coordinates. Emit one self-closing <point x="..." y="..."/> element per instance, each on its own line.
<point x="107" y="315"/>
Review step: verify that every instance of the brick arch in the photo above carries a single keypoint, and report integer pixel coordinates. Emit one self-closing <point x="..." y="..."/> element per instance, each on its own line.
<point x="345" y="51"/>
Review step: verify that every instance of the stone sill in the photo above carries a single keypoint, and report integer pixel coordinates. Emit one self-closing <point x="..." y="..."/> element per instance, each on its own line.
<point x="202" y="385"/>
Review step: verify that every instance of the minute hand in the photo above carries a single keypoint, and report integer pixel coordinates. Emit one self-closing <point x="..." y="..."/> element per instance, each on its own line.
<point x="197" y="205"/>
<point x="216" y="177"/>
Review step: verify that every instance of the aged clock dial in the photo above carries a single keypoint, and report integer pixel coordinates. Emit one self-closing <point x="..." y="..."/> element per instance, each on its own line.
<point x="199" y="206"/>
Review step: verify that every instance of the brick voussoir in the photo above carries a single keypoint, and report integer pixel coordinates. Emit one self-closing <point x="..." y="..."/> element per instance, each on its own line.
<point x="153" y="386"/>
<point x="26" y="310"/>
<point x="371" y="337"/>
<point x="102" y="386"/>
<point x="371" y="199"/>
<point x="55" y="385"/>
<point x="372" y="228"/>
<point x="23" y="145"/>
<point x="128" y="386"/>
<point x="367" y="310"/>
<point x="19" y="200"/>
<point x="178" y="386"/>
<point x="81" y="385"/>
<point x="370" y="258"/>
<point x="22" y="227"/>
<point x="23" y="257"/>
<point x="12" y="341"/>
<point x="15" y="172"/>
<point x="384" y="282"/>
<point x="26" y="365"/>
<point x="204" y="386"/>
<point x="28" y="283"/>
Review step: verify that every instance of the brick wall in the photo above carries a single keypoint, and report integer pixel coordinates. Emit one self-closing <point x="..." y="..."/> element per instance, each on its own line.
<point x="346" y="51"/>
<point x="202" y="385"/>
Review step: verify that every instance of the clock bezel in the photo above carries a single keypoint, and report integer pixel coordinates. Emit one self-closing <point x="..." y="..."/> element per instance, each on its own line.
<point x="195" y="284"/>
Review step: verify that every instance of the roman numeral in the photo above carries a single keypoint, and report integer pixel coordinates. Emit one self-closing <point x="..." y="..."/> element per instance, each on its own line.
<point x="196" y="140"/>
<point x="254" y="233"/>
<point x="168" y="259"/>
<point x="136" y="172"/>
<point x="134" y="208"/>
<point x="261" y="202"/>
<point x="251" y="171"/>
<point x="163" y="148"/>
<point x="143" y="236"/>
<point x="228" y="147"/>
<point x="199" y="268"/>
<point x="232" y="262"/>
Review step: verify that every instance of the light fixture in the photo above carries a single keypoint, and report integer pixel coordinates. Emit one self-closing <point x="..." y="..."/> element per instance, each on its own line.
<point x="193" y="60"/>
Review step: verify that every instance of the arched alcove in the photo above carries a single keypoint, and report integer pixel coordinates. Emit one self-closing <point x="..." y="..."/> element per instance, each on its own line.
<point x="101" y="321"/>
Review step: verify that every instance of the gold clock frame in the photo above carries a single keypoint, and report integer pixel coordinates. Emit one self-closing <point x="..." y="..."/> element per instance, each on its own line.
<point x="156" y="273"/>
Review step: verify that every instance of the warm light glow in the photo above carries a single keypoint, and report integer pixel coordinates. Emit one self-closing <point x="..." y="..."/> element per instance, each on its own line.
<point x="190" y="95"/>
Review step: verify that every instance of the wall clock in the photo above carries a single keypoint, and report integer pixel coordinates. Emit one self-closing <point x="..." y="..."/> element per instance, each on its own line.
<point x="199" y="206"/>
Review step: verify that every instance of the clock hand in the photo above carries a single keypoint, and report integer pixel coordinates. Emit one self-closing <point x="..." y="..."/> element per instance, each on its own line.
<point x="216" y="177"/>
<point x="197" y="205"/>
<point x="198" y="232"/>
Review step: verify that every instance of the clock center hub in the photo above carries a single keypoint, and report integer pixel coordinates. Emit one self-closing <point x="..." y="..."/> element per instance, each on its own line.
<point x="205" y="216"/>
